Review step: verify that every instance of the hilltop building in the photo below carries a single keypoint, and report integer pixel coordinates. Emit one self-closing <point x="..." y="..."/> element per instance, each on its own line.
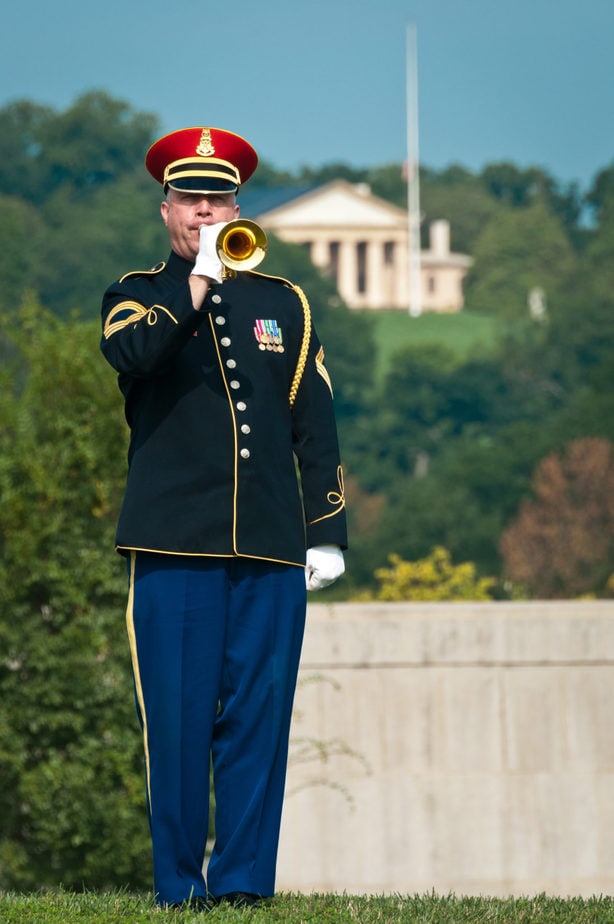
<point x="361" y="241"/>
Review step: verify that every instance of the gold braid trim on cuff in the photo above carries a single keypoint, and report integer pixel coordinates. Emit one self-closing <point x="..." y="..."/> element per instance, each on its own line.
<point x="336" y="498"/>
<point x="302" y="356"/>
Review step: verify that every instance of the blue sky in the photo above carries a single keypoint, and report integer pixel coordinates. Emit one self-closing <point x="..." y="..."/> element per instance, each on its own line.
<point x="325" y="81"/>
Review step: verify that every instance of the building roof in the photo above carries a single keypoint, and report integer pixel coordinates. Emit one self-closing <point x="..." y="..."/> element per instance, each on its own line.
<point x="260" y="201"/>
<point x="336" y="203"/>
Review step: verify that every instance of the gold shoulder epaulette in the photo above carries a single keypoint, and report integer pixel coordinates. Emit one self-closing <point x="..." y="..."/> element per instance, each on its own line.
<point x="150" y="272"/>
<point x="281" y="279"/>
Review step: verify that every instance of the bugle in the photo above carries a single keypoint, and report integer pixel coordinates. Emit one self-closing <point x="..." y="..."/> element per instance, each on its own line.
<point x="241" y="244"/>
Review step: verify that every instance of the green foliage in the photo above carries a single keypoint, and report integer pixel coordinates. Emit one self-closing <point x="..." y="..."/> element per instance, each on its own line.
<point x="600" y="197"/>
<point x="22" y="127"/>
<point x="79" y="201"/>
<point x="388" y="182"/>
<point x="429" y="402"/>
<point x="95" y="141"/>
<point x="70" y="754"/>
<point x="78" y="258"/>
<point x="460" y="197"/>
<point x="21" y="231"/>
<point x="509" y="183"/>
<point x="597" y="271"/>
<point x="442" y="419"/>
<point x="518" y="250"/>
<point x="464" y="500"/>
<point x="431" y="578"/>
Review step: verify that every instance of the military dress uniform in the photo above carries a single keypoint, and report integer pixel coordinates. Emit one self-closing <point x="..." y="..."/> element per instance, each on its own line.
<point x="223" y="405"/>
<point x="219" y="401"/>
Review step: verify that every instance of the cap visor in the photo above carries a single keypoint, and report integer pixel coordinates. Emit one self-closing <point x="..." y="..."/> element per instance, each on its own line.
<point x="202" y="184"/>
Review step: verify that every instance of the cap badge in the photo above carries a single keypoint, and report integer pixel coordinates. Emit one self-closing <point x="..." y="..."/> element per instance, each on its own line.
<point x="205" y="145"/>
<point x="269" y="335"/>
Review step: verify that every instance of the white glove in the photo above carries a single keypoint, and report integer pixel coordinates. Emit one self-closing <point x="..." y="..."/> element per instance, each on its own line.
<point x="324" y="565"/>
<point x="207" y="261"/>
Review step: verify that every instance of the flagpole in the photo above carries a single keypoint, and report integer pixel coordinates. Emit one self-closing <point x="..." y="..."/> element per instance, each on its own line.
<point x="413" y="175"/>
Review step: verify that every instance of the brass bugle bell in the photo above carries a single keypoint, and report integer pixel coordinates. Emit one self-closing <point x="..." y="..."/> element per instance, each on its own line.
<point x="241" y="244"/>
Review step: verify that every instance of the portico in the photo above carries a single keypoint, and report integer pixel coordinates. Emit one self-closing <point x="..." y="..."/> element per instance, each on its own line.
<point x="361" y="241"/>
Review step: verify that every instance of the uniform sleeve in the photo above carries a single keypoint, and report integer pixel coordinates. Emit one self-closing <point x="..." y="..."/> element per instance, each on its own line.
<point x="142" y="331"/>
<point x="317" y="450"/>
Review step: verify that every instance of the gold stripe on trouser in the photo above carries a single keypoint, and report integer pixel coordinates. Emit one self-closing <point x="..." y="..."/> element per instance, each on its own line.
<point x="136" y="671"/>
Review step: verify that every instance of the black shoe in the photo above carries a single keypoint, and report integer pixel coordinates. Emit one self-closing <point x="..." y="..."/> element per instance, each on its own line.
<point x="196" y="903"/>
<point x="241" y="899"/>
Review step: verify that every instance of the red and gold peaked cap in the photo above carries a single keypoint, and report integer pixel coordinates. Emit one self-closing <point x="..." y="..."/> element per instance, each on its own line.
<point x="201" y="159"/>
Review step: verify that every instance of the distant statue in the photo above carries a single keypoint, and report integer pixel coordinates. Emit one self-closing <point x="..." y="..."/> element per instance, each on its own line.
<point x="538" y="308"/>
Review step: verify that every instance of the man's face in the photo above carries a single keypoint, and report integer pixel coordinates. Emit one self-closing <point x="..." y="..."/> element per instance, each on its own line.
<point x="183" y="213"/>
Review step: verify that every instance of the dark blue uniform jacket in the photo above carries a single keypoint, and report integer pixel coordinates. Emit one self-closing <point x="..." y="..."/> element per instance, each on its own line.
<point x="221" y="404"/>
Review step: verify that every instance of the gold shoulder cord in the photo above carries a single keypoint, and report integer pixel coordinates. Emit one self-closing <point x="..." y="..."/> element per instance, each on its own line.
<point x="302" y="356"/>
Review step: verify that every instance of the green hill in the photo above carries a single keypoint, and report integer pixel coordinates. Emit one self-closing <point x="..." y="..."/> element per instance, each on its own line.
<point x="463" y="334"/>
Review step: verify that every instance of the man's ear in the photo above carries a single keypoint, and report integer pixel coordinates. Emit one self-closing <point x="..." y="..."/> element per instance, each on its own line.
<point x="164" y="210"/>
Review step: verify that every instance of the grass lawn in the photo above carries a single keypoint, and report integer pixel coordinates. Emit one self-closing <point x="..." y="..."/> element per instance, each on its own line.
<point x="61" y="907"/>
<point x="464" y="334"/>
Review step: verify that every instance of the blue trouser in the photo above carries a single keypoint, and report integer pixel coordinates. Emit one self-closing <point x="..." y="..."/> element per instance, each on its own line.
<point x="215" y="646"/>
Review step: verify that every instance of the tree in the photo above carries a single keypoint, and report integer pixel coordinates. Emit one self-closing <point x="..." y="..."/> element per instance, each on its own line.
<point x="71" y="791"/>
<point x="21" y="232"/>
<point x="407" y="420"/>
<point x="95" y="141"/>
<point x="22" y="129"/>
<point x="561" y="543"/>
<point x="518" y="251"/>
<point x="517" y="187"/>
<point x="388" y="182"/>
<point x="579" y="348"/>
<point x="598" y="271"/>
<point x="92" y="238"/>
<point x="459" y="196"/>
<point x="600" y="197"/>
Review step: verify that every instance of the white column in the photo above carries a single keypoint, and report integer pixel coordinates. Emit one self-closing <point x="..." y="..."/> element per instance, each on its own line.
<point x="320" y="253"/>
<point x="402" y="271"/>
<point x="347" y="281"/>
<point x="375" y="296"/>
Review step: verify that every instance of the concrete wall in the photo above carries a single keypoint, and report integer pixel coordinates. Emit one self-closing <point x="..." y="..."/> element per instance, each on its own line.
<point x="455" y="747"/>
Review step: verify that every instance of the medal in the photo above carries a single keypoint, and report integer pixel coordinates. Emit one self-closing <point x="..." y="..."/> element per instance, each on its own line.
<point x="268" y="335"/>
